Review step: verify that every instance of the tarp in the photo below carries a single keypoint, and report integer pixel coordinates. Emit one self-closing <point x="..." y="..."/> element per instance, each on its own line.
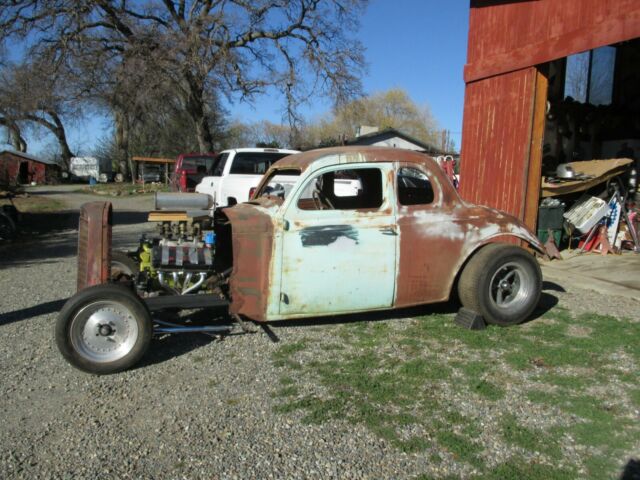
<point x="600" y="170"/>
<point x="85" y="167"/>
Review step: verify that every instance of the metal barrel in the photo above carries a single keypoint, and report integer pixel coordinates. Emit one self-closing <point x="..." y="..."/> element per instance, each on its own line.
<point x="183" y="201"/>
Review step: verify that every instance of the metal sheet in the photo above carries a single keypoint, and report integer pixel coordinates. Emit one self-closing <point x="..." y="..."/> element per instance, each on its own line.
<point x="336" y="261"/>
<point x="252" y="243"/>
<point x="94" y="244"/>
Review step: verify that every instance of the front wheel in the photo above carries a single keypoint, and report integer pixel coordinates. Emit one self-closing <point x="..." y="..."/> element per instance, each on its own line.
<point x="7" y="227"/>
<point x="103" y="329"/>
<point x="502" y="283"/>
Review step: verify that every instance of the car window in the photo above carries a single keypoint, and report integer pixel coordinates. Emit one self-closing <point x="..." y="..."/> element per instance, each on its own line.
<point x="219" y="162"/>
<point x="280" y="183"/>
<point x="254" y="163"/>
<point x="414" y="187"/>
<point x="193" y="163"/>
<point x="347" y="189"/>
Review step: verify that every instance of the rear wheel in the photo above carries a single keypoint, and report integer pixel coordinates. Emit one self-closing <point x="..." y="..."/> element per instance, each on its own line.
<point x="123" y="267"/>
<point x="103" y="329"/>
<point x="502" y="283"/>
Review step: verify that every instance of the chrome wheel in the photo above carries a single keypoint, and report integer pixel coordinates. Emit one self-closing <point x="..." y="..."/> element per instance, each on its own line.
<point x="104" y="331"/>
<point x="511" y="286"/>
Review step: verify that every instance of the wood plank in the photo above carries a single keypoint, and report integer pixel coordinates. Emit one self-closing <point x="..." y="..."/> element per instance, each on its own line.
<point x="168" y="216"/>
<point x="497" y="124"/>
<point x="153" y="160"/>
<point x="612" y="30"/>
<point x="534" y="170"/>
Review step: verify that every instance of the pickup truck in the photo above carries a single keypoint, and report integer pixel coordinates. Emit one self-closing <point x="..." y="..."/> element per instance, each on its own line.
<point x="236" y="172"/>
<point x="189" y="170"/>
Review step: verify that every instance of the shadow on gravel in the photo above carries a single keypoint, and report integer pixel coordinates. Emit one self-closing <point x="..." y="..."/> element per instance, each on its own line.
<point x="172" y="346"/>
<point x="30" y="312"/>
<point x="53" y="235"/>
<point x="399" y="314"/>
<point x="546" y="303"/>
<point x="547" y="285"/>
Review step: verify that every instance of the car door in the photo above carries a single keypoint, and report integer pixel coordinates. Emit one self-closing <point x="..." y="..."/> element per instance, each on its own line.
<point x="431" y="236"/>
<point x="339" y="244"/>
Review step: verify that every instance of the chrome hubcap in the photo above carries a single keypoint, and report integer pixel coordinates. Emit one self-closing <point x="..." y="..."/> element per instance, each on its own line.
<point x="510" y="286"/>
<point x="104" y="331"/>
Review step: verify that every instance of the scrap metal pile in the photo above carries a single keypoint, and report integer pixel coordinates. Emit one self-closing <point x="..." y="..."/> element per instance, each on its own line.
<point x="602" y="217"/>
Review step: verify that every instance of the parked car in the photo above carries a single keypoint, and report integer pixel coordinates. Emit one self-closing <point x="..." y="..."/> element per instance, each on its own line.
<point x="403" y="237"/>
<point x="189" y="170"/>
<point x="236" y="173"/>
<point x="150" y="172"/>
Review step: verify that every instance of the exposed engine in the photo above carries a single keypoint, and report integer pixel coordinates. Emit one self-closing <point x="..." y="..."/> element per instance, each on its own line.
<point x="188" y="253"/>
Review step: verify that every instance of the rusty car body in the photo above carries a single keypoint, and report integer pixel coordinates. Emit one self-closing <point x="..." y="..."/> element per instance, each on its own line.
<point x="290" y="262"/>
<point x="301" y="247"/>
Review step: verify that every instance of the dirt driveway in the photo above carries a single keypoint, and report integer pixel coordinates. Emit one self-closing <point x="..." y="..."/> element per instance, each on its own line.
<point x="392" y="395"/>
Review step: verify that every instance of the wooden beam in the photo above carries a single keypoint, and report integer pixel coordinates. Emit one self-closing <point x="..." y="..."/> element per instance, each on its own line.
<point x="612" y="30"/>
<point x="534" y="170"/>
<point x="153" y="160"/>
<point x="168" y="216"/>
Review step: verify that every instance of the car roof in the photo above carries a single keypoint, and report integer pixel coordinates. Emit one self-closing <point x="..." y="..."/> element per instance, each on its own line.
<point x="353" y="154"/>
<point x="260" y="150"/>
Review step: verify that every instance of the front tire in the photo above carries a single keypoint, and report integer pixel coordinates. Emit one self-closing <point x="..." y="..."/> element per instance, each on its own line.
<point x="123" y="267"/>
<point x="7" y="227"/>
<point x="502" y="283"/>
<point x="103" y="329"/>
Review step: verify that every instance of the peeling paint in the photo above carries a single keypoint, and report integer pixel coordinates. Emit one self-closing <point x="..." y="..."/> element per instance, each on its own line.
<point x="326" y="235"/>
<point x="341" y="261"/>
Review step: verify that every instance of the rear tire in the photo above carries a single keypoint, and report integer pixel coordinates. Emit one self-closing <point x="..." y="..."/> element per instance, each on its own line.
<point x="103" y="329"/>
<point x="123" y="267"/>
<point x="502" y="283"/>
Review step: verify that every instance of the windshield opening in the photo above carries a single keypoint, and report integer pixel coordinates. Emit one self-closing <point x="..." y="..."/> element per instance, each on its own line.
<point x="279" y="183"/>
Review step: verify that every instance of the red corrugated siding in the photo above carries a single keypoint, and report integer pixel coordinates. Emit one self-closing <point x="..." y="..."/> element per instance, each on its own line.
<point x="496" y="127"/>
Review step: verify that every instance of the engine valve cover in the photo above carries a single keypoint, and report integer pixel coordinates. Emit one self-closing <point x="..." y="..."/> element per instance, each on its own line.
<point x="182" y="257"/>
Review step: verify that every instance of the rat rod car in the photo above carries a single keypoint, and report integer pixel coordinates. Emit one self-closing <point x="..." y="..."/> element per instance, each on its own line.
<point x="299" y="248"/>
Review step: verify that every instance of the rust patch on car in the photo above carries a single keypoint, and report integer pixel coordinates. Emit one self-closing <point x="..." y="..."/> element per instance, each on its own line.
<point x="252" y="240"/>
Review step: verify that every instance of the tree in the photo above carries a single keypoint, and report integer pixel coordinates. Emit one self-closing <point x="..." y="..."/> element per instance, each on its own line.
<point x="14" y="133"/>
<point x="207" y="48"/>
<point x="390" y="109"/>
<point x="31" y="93"/>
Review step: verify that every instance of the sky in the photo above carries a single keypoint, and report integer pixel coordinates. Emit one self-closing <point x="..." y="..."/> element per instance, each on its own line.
<point x="417" y="45"/>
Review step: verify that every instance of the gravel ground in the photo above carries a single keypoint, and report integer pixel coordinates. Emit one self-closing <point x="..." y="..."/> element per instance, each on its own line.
<point x="195" y="408"/>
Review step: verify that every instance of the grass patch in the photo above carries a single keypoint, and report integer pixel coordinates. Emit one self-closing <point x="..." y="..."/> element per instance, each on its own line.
<point x="284" y="355"/>
<point x="401" y="380"/>
<point x="36" y="204"/>
<point x="124" y="189"/>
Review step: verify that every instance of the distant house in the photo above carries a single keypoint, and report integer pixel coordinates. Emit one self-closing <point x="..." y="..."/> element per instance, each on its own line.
<point x="390" y="137"/>
<point x="21" y="168"/>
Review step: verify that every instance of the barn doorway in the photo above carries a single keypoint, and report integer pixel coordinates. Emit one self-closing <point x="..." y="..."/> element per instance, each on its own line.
<point x="593" y="108"/>
<point x="591" y="144"/>
<point x="23" y="173"/>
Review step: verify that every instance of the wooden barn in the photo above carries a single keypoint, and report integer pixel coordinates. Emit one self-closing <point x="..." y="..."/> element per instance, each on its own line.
<point x="18" y="168"/>
<point x="547" y="82"/>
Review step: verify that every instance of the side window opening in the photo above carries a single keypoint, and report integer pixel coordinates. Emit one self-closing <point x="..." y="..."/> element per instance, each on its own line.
<point x="414" y="187"/>
<point x="218" y="164"/>
<point x="348" y="189"/>
<point x="254" y="163"/>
